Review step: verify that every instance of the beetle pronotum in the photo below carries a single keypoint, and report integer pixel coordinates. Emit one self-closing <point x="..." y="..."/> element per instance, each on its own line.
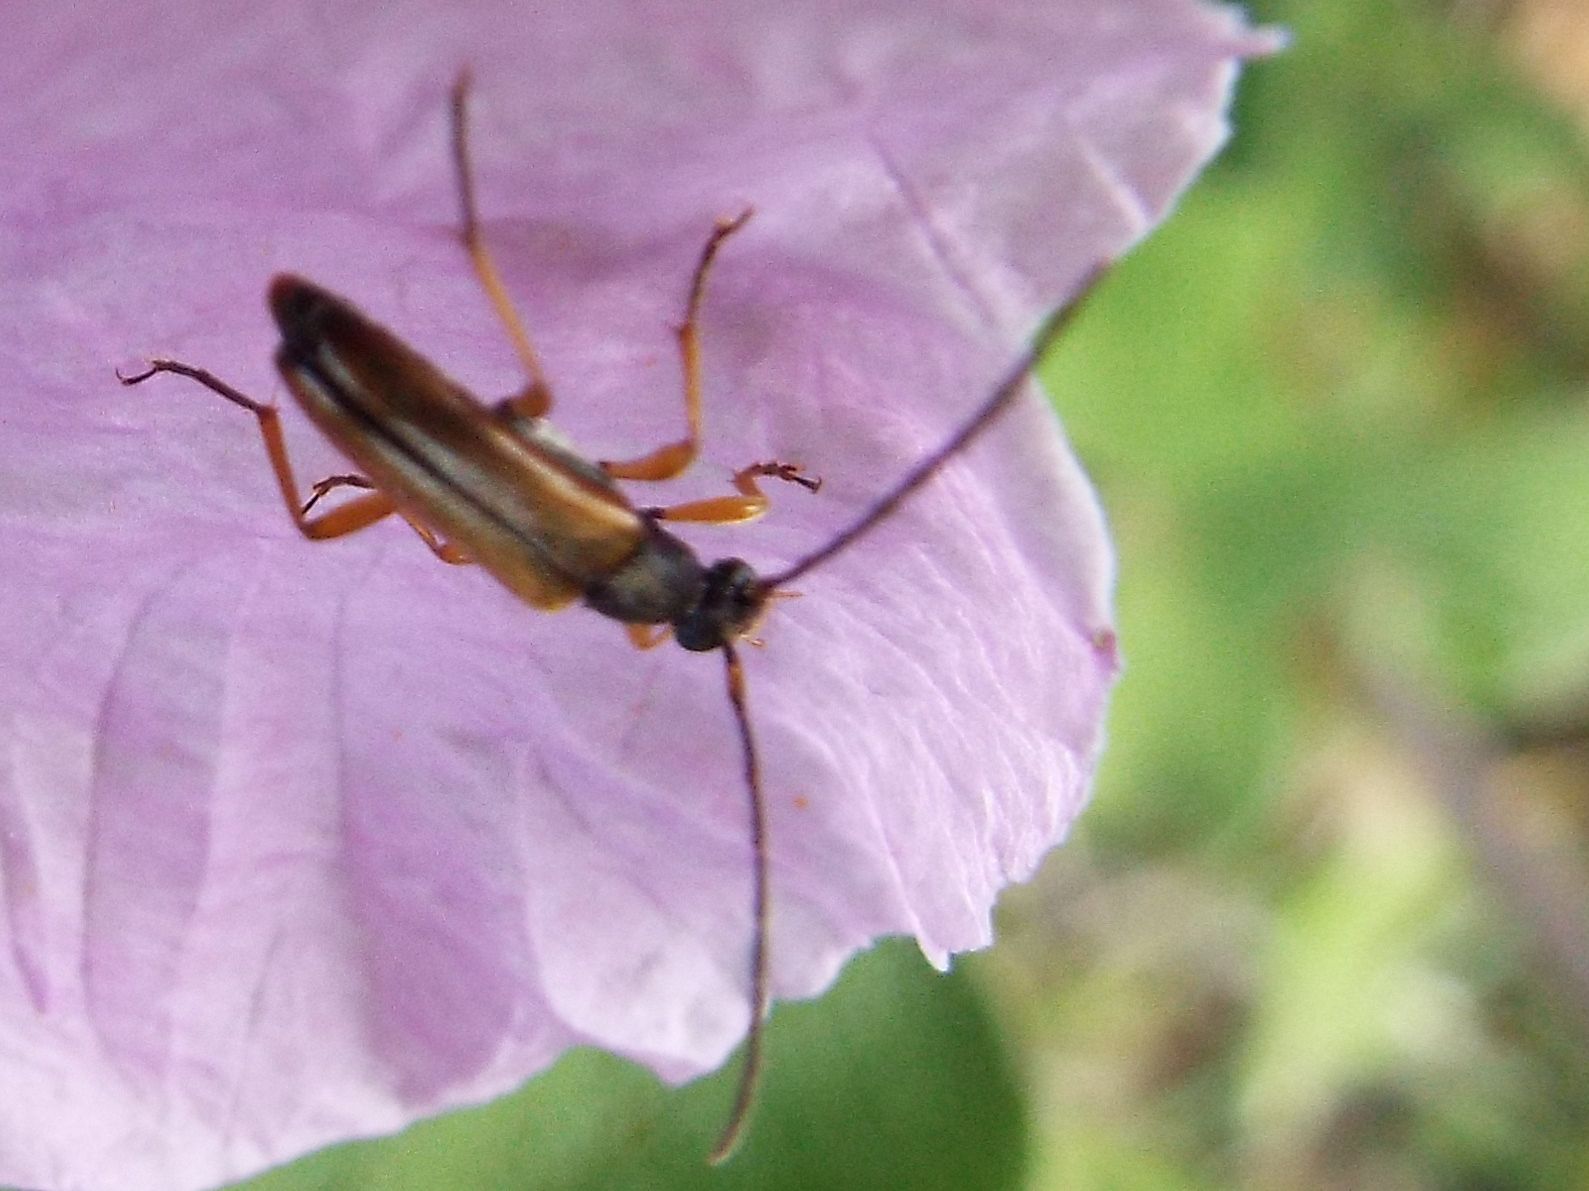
<point x="490" y="484"/>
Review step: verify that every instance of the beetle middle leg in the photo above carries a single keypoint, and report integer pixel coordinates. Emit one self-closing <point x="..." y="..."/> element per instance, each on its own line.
<point x="346" y="518"/>
<point x="318" y="490"/>
<point x="535" y="399"/>
<point x="668" y="461"/>
<point x="446" y="551"/>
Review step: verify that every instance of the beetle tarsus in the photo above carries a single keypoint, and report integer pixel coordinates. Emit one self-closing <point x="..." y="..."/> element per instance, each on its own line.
<point x="791" y="473"/>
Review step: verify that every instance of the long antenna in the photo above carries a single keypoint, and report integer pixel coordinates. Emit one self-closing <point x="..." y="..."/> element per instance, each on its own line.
<point x="750" y="1073"/>
<point x="1001" y="397"/>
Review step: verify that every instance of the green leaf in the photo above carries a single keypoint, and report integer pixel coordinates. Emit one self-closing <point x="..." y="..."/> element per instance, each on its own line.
<point x="896" y="1078"/>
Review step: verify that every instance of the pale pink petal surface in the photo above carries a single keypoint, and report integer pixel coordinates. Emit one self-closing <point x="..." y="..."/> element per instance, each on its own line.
<point x="301" y="841"/>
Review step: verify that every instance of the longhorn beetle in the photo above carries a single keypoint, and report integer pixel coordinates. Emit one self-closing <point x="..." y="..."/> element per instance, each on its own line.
<point x="490" y="484"/>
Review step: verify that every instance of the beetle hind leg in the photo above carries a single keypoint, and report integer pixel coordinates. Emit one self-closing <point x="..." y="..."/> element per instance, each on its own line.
<point x="349" y="518"/>
<point x="346" y="518"/>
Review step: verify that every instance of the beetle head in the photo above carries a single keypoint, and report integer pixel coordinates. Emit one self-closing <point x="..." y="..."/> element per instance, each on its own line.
<point x="730" y="604"/>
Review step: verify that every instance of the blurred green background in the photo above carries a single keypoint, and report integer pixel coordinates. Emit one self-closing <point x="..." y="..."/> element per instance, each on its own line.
<point x="1327" y="922"/>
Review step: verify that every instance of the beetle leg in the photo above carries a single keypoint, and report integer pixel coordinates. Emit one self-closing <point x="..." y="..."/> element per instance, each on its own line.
<point x="448" y="552"/>
<point x="345" y="518"/>
<point x="750" y="504"/>
<point x="366" y="511"/>
<point x="520" y="408"/>
<point x="535" y="400"/>
<point x="668" y="461"/>
<point x="330" y="484"/>
<point x="647" y="636"/>
<point x="276" y="448"/>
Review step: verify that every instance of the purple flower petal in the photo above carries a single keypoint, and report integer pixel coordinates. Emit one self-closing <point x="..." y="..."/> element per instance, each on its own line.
<point x="299" y="842"/>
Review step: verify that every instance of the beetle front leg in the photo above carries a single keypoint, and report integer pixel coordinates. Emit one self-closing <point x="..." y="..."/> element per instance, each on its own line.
<point x="750" y="504"/>
<point x="647" y="636"/>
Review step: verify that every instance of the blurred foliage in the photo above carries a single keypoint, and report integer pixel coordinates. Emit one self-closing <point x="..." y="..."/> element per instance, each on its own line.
<point x="1326" y="924"/>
